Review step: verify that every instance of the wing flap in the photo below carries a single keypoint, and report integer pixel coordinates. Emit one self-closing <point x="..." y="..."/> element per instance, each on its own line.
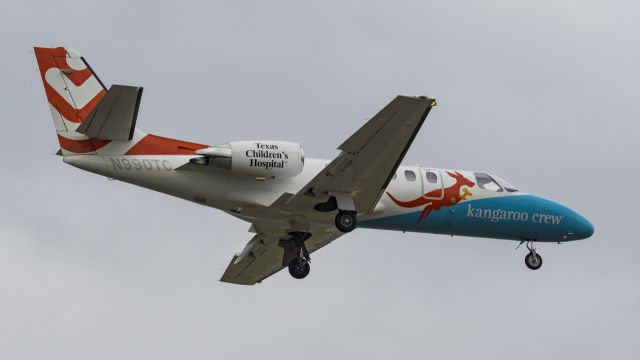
<point x="255" y="263"/>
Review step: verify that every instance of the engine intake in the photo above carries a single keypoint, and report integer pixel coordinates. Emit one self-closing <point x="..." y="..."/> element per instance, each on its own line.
<point x="259" y="159"/>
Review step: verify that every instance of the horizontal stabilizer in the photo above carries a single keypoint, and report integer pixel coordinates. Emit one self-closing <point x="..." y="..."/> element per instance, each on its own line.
<point x="114" y="117"/>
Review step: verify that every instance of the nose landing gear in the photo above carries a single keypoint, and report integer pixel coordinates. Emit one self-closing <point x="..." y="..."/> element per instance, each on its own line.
<point x="533" y="260"/>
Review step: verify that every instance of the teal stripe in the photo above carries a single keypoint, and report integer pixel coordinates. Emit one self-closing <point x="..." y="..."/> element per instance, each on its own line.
<point x="490" y="218"/>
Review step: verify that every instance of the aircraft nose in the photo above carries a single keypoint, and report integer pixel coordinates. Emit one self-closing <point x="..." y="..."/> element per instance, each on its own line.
<point x="583" y="228"/>
<point x="569" y="224"/>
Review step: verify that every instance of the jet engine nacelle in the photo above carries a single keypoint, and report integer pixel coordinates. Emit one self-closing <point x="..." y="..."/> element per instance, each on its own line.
<point x="258" y="159"/>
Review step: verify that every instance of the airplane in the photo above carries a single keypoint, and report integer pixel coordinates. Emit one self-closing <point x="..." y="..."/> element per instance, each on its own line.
<point x="295" y="205"/>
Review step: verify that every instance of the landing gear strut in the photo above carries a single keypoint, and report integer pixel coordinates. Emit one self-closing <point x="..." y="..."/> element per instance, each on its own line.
<point x="346" y="221"/>
<point x="296" y="255"/>
<point x="533" y="260"/>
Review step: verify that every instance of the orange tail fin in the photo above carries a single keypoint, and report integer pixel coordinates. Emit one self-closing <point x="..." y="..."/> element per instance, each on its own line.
<point x="73" y="90"/>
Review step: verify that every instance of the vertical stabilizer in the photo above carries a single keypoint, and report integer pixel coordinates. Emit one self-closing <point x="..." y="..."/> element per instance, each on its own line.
<point x="73" y="91"/>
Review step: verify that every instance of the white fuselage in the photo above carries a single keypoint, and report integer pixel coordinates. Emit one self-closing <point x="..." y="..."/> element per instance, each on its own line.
<point x="438" y="205"/>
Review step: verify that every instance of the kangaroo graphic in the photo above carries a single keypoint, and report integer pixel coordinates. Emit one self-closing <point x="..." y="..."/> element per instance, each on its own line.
<point x="451" y="196"/>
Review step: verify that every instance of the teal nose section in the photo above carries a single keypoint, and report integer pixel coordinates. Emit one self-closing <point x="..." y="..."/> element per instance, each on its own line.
<point x="576" y="227"/>
<point x="555" y="222"/>
<point x="582" y="228"/>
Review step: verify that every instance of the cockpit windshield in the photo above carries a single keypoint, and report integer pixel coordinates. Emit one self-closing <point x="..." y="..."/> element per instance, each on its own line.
<point x="507" y="186"/>
<point x="485" y="181"/>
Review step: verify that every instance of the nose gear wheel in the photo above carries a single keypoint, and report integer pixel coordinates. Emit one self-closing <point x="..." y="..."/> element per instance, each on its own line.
<point x="533" y="260"/>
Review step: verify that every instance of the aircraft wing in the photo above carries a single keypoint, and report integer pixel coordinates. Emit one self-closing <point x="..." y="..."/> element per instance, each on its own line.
<point x="263" y="255"/>
<point x="368" y="160"/>
<point x="357" y="177"/>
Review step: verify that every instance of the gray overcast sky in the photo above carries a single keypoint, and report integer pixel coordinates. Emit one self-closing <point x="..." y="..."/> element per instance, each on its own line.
<point x="543" y="93"/>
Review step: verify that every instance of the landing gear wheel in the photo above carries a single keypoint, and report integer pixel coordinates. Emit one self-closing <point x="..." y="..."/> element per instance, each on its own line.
<point x="533" y="261"/>
<point x="299" y="268"/>
<point x="346" y="221"/>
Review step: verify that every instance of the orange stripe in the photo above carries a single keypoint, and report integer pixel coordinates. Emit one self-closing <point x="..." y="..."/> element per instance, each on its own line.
<point x="67" y="110"/>
<point x="158" y="145"/>
<point x="78" y="77"/>
<point x="81" y="146"/>
<point x="56" y="58"/>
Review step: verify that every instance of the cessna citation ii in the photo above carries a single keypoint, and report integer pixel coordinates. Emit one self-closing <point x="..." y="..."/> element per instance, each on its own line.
<point x="295" y="205"/>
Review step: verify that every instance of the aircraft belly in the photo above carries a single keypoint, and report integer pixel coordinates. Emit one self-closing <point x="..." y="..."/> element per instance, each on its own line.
<point x="91" y="163"/>
<point x="157" y="173"/>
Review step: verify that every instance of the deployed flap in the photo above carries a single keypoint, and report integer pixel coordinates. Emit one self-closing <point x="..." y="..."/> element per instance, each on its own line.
<point x="114" y="118"/>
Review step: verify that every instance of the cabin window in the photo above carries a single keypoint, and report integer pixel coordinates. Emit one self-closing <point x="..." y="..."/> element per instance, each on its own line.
<point x="395" y="175"/>
<point x="432" y="178"/>
<point x="410" y="175"/>
<point x="505" y="184"/>
<point x="486" y="182"/>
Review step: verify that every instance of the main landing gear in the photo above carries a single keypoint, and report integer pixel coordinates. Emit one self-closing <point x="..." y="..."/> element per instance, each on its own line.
<point x="296" y="255"/>
<point x="533" y="260"/>
<point x="346" y="221"/>
<point x="299" y="268"/>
